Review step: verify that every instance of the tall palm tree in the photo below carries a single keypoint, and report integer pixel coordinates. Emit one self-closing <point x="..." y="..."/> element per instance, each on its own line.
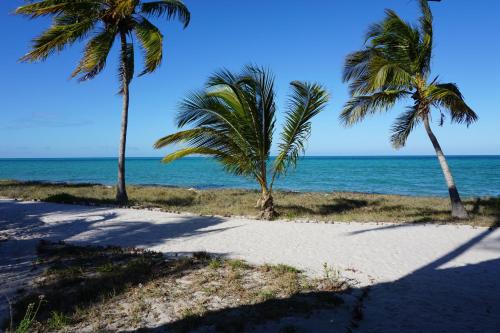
<point x="233" y="120"/>
<point x="394" y="65"/>
<point x="100" y="23"/>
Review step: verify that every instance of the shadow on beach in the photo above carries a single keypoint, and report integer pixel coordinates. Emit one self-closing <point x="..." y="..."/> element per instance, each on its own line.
<point x="434" y="298"/>
<point x="22" y="226"/>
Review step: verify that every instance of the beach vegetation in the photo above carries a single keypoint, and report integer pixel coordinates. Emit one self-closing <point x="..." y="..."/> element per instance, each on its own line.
<point x="29" y="319"/>
<point x="183" y="293"/>
<point x="100" y="23"/>
<point x="394" y="66"/>
<point x="294" y="206"/>
<point x="233" y="120"/>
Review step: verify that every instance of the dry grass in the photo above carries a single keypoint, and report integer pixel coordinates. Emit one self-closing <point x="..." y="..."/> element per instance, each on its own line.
<point x="228" y="202"/>
<point x="108" y="288"/>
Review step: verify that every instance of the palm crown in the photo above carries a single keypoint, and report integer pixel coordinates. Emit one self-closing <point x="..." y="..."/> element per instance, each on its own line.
<point x="233" y="120"/>
<point x="103" y="20"/>
<point x="396" y="64"/>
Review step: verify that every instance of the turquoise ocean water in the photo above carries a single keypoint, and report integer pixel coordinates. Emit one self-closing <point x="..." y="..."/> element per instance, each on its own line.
<point x="413" y="175"/>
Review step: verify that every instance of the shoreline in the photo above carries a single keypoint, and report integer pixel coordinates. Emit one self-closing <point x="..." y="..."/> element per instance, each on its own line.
<point x="223" y="187"/>
<point x="321" y="207"/>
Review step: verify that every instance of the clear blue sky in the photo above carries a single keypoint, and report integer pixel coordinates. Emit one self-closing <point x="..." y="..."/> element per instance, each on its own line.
<point x="44" y="114"/>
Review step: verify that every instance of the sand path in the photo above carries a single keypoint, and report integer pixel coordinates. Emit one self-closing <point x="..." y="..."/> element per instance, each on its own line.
<point x="423" y="278"/>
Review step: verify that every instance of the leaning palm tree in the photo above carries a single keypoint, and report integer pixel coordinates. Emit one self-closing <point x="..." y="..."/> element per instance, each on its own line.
<point x="395" y="65"/>
<point x="233" y="120"/>
<point x="101" y="22"/>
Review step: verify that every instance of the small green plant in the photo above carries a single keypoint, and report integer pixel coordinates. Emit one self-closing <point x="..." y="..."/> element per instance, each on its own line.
<point x="193" y="312"/>
<point x="209" y="290"/>
<point x="29" y="316"/>
<point x="57" y="320"/>
<point x="215" y="263"/>
<point x="280" y="269"/>
<point x="332" y="279"/>
<point x="267" y="294"/>
<point x="330" y="273"/>
<point x="237" y="264"/>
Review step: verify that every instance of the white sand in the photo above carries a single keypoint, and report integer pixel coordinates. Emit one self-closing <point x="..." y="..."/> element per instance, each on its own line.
<point x="424" y="278"/>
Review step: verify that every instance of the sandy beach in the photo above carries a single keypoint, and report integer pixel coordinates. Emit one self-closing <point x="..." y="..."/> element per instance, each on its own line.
<point x="422" y="277"/>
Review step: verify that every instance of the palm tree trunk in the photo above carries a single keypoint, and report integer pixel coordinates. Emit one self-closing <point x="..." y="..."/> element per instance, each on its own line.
<point x="266" y="201"/>
<point x="457" y="207"/>
<point x="121" y="191"/>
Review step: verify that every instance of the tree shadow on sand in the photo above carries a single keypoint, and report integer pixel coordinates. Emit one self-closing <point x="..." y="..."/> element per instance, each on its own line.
<point x="100" y="226"/>
<point x="22" y="224"/>
<point x="338" y="206"/>
<point x="66" y="198"/>
<point x="490" y="206"/>
<point x="438" y="297"/>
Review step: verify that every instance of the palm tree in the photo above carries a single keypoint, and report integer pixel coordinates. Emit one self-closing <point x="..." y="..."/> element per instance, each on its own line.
<point x="233" y="120"/>
<point x="100" y="22"/>
<point x="394" y="65"/>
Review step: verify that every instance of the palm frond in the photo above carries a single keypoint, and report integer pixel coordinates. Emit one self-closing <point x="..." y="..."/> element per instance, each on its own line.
<point x="57" y="37"/>
<point x="358" y="107"/>
<point x="306" y="101"/>
<point x="209" y="109"/>
<point x="449" y="97"/>
<point x="356" y="64"/>
<point x="258" y="85"/>
<point x="222" y="77"/>
<point x="403" y="126"/>
<point x="195" y="136"/>
<point x="191" y="151"/>
<point x="96" y="54"/>
<point x="390" y="30"/>
<point x="425" y="53"/>
<point x="151" y="41"/>
<point x="388" y="59"/>
<point x="56" y="7"/>
<point x="170" y="8"/>
<point x="220" y="125"/>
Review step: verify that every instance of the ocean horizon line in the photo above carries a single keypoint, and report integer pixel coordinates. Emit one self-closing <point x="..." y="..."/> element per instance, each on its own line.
<point x="272" y="156"/>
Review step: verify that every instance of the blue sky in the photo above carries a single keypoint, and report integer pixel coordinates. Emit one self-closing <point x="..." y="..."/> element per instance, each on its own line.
<point x="45" y="114"/>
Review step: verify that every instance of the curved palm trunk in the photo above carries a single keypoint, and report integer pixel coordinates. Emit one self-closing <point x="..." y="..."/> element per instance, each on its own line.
<point x="121" y="191"/>
<point x="457" y="207"/>
<point x="266" y="203"/>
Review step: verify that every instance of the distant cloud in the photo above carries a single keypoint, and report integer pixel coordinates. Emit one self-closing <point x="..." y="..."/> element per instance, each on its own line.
<point x="45" y="119"/>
